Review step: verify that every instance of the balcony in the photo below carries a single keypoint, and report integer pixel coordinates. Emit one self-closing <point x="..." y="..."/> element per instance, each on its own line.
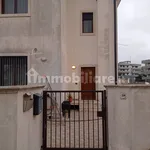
<point x="124" y="67"/>
<point x="123" y="71"/>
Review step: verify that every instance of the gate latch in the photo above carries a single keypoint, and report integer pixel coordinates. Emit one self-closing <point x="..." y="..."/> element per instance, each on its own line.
<point x="100" y="114"/>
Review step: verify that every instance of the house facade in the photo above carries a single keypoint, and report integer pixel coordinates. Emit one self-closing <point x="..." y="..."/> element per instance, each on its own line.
<point x="57" y="38"/>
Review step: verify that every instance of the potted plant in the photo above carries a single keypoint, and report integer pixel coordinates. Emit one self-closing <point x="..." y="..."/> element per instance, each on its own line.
<point x="70" y="98"/>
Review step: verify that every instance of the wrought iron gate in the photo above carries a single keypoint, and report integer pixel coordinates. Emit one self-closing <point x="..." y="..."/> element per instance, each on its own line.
<point x="70" y="122"/>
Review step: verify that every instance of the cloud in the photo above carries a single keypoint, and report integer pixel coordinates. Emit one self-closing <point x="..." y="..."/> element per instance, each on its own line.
<point x="134" y="29"/>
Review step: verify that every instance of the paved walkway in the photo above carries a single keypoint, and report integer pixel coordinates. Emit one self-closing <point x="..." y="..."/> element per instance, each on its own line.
<point x="82" y="130"/>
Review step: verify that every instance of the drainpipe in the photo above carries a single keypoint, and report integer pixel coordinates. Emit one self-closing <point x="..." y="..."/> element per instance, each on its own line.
<point x="115" y="43"/>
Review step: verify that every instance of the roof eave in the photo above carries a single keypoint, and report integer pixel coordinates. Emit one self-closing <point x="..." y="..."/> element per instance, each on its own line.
<point x="118" y="2"/>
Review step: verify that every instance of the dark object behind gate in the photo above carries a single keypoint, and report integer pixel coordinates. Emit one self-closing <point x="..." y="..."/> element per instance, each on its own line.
<point x="66" y="106"/>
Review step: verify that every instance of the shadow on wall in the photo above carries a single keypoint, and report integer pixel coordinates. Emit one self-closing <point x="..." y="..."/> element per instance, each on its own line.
<point x="20" y="129"/>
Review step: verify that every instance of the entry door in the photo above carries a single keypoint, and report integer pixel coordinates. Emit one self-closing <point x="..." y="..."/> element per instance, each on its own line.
<point x="88" y="83"/>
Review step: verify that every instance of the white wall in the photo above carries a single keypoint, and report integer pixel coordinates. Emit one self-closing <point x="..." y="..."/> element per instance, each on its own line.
<point x="129" y="119"/>
<point x="81" y="50"/>
<point x="41" y="30"/>
<point x="54" y="28"/>
<point x="18" y="130"/>
<point x="29" y="127"/>
<point x="88" y="50"/>
<point x="8" y="121"/>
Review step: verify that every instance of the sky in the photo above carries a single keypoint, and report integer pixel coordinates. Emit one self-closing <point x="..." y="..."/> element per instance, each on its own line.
<point x="134" y="30"/>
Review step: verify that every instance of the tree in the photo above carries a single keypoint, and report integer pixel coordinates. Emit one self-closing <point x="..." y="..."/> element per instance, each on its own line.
<point x="139" y="78"/>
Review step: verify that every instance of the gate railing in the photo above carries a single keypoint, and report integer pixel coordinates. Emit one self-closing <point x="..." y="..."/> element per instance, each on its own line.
<point x="74" y="120"/>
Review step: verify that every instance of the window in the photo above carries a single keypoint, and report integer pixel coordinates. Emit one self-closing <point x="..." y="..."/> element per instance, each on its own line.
<point x="87" y="22"/>
<point x="13" y="70"/>
<point x="14" y="6"/>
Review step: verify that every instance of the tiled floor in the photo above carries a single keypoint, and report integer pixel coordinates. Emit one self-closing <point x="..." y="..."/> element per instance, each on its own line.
<point x="82" y="130"/>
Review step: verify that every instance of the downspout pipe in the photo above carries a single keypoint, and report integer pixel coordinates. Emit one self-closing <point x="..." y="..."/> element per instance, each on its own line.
<point x="115" y="43"/>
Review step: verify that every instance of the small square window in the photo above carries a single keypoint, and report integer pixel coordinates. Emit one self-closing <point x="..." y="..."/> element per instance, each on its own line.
<point x="87" y="22"/>
<point x="14" y="6"/>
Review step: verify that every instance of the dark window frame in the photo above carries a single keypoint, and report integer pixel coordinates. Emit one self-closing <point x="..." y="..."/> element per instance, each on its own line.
<point x="13" y="70"/>
<point x="85" y="17"/>
<point x="15" y="7"/>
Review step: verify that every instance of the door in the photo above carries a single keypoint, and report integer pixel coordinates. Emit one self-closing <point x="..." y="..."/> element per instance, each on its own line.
<point x="88" y="83"/>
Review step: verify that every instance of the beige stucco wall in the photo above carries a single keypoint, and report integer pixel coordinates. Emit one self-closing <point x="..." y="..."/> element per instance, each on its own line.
<point x="88" y="50"/>
<point x="129" y="117"/>
<point x="40" y="29"/>
<point x="54" y="28"/>
<point x="19" y="131"/>
<point x="8" y="121"/>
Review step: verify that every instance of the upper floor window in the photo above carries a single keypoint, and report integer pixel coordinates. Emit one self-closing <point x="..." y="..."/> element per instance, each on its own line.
<point x="87" y="22"/>
<point x="14" y="6"/>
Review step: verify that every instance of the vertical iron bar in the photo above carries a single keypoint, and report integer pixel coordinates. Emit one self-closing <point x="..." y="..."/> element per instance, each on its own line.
<point x="23" y="72"/>
<point x="11" y="71"/>
<point x="98" y="117"/>
<point x="93" y="121"/>
<point x="44" y="119"/>
<point x="15" y="71"/>
<point x="65" y="126"/>
<point x="0" y="71"/>
<point x="69" y="133"/>
<point x="55" y="120"/>
<point x="60" y="119"/>
<point x="88" y="125"/>
<point x="83" y="126"/>
<point x="3" y="74"/>
<point x="26" y="70"/>
<point x="22" y="64"/>
<point x="103" y="121"/>
<point x="106" y="121"/>
<point x="79" y="116"/>
<point x="3" y="71"/>
<point x="74" y="117"/>
<point x="7" y="71"/>
<point x="19" y="65"/>
<point x="51" y="117"/>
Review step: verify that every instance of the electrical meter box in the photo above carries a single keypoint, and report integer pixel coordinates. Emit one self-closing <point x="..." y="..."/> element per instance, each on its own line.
<point x="37" y="104"/>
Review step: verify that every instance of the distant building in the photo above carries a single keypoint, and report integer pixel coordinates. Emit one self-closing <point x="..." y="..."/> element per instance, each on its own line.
<point x="128" y="70"/>
<point x="146" y="70"/>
